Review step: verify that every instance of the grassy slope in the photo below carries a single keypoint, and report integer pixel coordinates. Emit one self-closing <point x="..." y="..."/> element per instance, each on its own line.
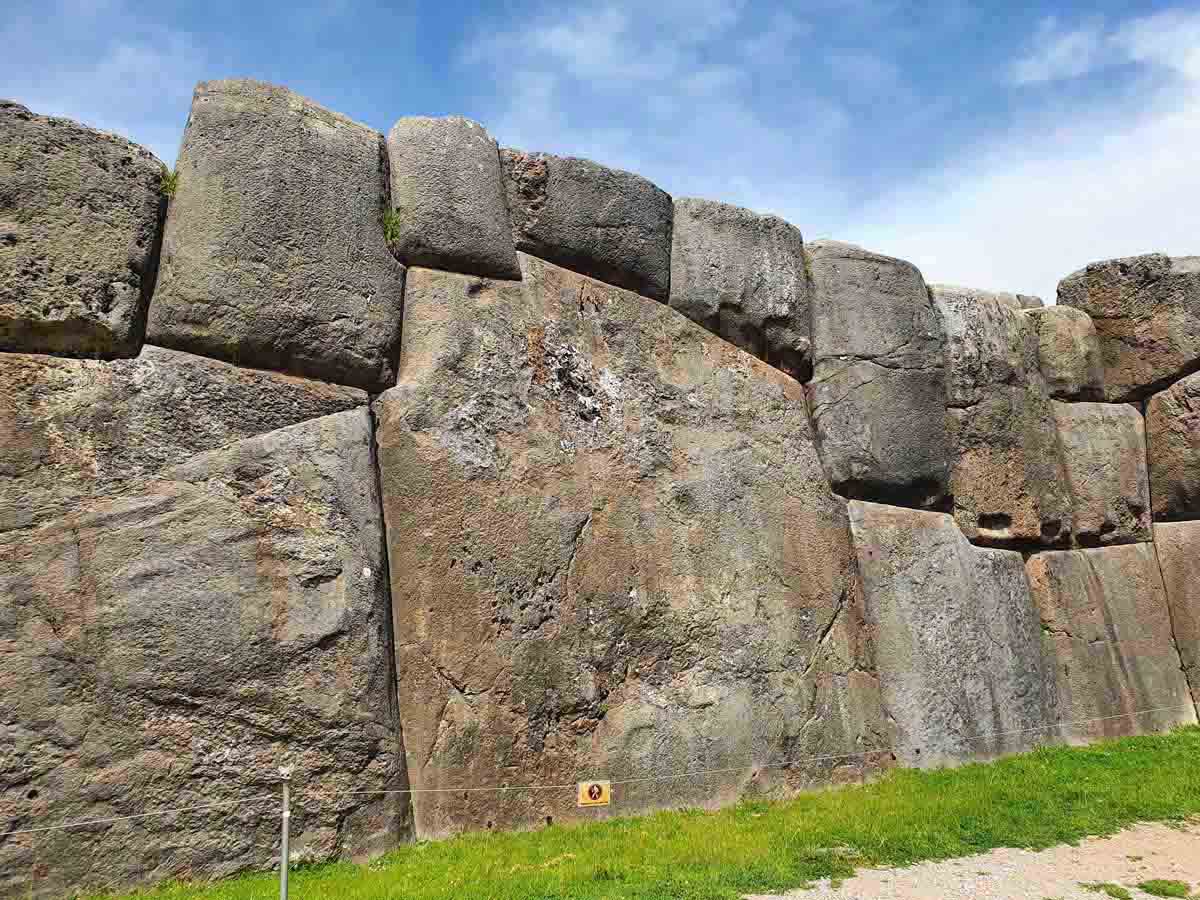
<point x="1047" y="797"/>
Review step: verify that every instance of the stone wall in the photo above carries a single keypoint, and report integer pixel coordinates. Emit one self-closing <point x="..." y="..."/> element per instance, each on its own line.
<point x="416" y="462"/>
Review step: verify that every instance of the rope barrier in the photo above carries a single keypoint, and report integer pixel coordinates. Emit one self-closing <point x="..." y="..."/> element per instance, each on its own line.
<point x="572" y="786"/>
<point x="779" y="765"/>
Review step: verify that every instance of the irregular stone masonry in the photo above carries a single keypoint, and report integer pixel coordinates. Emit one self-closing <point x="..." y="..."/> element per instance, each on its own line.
<point x="641" y="486"/>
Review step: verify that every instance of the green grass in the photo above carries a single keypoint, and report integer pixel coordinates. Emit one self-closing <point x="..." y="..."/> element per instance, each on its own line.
<point x="1050" y="796"/>
<point x="391" y="226"/>
<point x="1108" y="889"/>
<point x="169" y="182"/>
<point x="1165" y="887"/>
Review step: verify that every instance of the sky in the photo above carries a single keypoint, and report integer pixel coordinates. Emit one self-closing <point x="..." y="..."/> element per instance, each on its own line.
<point x="996" y="145"/>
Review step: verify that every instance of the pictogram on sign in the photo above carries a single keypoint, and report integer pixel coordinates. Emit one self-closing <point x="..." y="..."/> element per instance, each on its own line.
<point x="595" y="793"/>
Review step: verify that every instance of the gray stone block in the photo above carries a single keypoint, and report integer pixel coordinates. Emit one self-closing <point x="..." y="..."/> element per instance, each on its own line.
<point x="1147" y="315"/>
<point x="742" y="275"/>
<point x="1178" y="547"/>
<point x="448" y="195"/>
<point x="82" y="431"/>
<point x="80" y="217"/>
<point x="613" y="550"/>
<point x="878" y="393"/>
<point x="175" y="646"/>
<point x="274" y="253"/>
<point x="1173" y="436"/>
<point x="1007" y="479"/>
<point x="1069" y="353"/>
<point x="1106" y="629"/>
<point x="601" y="222"/>
<point x="1104" y="455"/>
<point x="955" y="635"/>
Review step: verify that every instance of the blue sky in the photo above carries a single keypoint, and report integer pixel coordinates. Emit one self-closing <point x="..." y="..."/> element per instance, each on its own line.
<point x="998" y="145"/>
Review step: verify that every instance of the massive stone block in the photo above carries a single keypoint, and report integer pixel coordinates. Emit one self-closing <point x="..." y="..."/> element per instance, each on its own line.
<point x="1107" y="636"/>
<point x="80" y="431"/>
<point x="1068" y="353"/>
<point x="742" y="275"/>
<point x="1007" y="479"/>
<point x="878" y="392"/>
<point x="448" y="195"/>
<point x="613" y="554"/>
<point x="1104" y="454"/>
<point x="274" y="252"/>
<point x="1178" y="548"/>
<point x="1173" y="436"/>
<point x="1147" y="315"/>
<point x="80" y="212"/>
<point x="173" y="647"/>
<point x="606" y="223"/>
<point x="955" y="637"/>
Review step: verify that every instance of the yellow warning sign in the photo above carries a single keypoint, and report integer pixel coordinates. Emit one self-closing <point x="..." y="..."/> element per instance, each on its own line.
<point x="595" y="793"/>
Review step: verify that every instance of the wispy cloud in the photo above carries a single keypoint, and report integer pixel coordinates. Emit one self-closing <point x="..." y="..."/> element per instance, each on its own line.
<point x="136" y="80"/>
<point x="1111" y="176"/>
<point x="1168" y="39"/>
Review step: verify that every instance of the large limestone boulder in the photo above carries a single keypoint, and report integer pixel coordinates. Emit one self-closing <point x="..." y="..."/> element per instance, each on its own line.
<point x="955" y="636"/>
<point x="602" y="222"/>
<point x="1068" y="353"/>
<point x="80" y="430"/>
<point x="175" y="646"/>
<point x="1147" y="314"/>
<point x="80" y="216"/>
<point x="1106" y="629"/>
<point x="613" y="555"/>
<point x="878" y="392"/>
<point x="448" y="196"/>
<point x="742" y="275"/>
<point x="1007" y="477"/>
<point x="1173" y="436"/>
<point x="1104" y="455"/>
<point x="1178" y="548"/>
<point x="274" y="252"/>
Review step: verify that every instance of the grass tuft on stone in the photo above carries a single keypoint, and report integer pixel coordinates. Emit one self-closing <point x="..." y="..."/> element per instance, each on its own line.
<point x="169" y="182"/>
<point x="1033" y="801"/>
<point x="391" y="226"/>
<point x="1165" y="887"/>
<point x="1107" y="888"/>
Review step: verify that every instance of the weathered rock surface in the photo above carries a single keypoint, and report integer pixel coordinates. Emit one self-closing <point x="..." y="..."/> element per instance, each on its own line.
<point x="1007" y="476"/>
<point x="602" y="222"/>
<point x="175" y="646"/>
<point x="741" y="275"/>
<point x="1104" y="454"/>
<point x="1147" y="314"/>
<point x="1106" y="630"/>
<point x="80" y="212"/>
<point x="1068" y="353"/>
<point x="1028" y="301"/>
<point x="274" y="252"/>
<point x="613" y="554"/>
<point x="448" y="193"/>
<point x="81" y="430"/>
<point x="878" y="393"/>
<point x="1173" y="436"/>
<point x="955" y="636"/>
<point x="1178" y="548"/>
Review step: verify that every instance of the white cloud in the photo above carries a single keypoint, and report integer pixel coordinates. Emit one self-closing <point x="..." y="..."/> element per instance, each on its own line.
<point x="138" y="82"/>
<point x="1057" y="54"/>
<point x="1112" y="178"/>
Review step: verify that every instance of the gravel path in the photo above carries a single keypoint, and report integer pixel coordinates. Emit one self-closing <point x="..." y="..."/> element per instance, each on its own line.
<point x="1141" y="853"/>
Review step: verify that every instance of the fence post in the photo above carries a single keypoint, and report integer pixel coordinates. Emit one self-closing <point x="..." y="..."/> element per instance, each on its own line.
<point x="285" y="773"/>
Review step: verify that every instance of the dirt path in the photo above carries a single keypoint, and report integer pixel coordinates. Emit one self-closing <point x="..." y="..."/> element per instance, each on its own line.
<point x="1143" y="852"/>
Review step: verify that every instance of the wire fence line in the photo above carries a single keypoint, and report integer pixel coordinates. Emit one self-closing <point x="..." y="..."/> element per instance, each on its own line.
<point x="626" y="781"/>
